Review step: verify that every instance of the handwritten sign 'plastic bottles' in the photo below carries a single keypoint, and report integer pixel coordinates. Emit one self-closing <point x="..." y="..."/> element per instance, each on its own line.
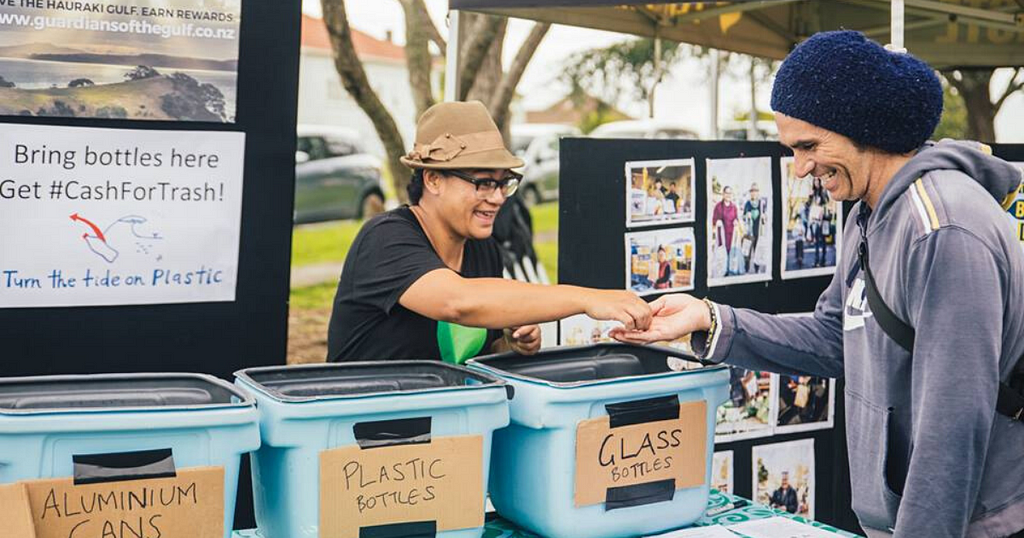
<point x="440" y="481"/>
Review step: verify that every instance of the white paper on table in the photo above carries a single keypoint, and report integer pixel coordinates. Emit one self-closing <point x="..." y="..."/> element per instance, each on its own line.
<point x="779" y="527"/>
<point x="714" y="531"/>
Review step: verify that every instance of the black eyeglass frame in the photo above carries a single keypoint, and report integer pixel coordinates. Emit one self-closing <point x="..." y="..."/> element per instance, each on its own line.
<point x="511" y="181"/>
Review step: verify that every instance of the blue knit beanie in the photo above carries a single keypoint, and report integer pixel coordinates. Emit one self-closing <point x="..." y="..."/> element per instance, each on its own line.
<point x="845" y="83"/>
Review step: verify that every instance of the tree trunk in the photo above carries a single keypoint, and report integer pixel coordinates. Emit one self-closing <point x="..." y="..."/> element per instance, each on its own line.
<point x="483" y="31"/>
<point x="353" y="77"/>
<point x="502" y="97"/>
<point x="432" y="30"/>
<point x="417" y="55"/>
<point x="973" y="86"/>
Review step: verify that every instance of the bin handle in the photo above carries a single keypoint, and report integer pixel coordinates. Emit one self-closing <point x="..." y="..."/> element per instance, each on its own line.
<point x="404" y="431"/>
<point x="643" y="411"/>
<point x="123" y="466"/>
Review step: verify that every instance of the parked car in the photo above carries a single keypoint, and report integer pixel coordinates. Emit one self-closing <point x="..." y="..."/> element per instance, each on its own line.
<point x="537" y="145"/>
<point x="644" y="129"/>
<point x="335" y="178"/>
<point x="740" y="130"/>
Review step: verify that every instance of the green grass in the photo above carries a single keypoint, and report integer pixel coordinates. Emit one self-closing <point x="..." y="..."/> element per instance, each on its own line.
<point x="545" y="218"/>
<point x="323" y="243"/>
<point x="317" y="296"/>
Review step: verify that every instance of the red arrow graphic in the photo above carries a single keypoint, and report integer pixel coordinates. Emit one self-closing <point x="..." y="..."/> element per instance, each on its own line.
<point x="95" y="228"/>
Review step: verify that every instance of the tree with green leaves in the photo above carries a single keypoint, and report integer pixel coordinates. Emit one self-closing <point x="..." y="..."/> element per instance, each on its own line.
<point x="971" y="89"/>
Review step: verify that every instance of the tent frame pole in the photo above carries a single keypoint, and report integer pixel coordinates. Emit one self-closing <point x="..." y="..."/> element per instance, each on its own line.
<point x="451" y="61"/>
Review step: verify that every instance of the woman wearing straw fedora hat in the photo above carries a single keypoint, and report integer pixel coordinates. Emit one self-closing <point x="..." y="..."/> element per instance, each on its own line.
<point x="424" y="281"/>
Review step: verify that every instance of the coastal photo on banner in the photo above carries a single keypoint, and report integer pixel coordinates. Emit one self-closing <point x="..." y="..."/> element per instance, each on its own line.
<point x="123" y="59"/>
<point x="117" y="216"/>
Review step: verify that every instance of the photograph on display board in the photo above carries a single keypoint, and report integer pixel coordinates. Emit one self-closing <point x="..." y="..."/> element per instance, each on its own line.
<point x="721" y="472"/>
<point x="812" y="225"/>
<point x="748" y="412"/>
<point x="739" y="220"/>
<point x="783" y="476"/>
<point x="1016" y="212"/>
<point x="583" y="330"/>
<point x="660" y="261"/>
<point x="122" y="59"/>
<point x="659" y="192"/>
<point x="804" y="403"/>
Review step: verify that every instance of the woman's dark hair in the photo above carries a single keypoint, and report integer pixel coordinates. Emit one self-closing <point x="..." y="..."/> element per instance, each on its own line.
<point x="415" y="187"/>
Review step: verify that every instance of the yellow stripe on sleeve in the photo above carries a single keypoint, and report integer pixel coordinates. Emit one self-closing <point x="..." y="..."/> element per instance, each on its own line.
<point x="927" y="204"/>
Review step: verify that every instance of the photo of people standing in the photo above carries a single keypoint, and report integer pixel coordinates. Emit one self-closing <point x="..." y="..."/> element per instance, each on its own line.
<point x="812" y="225"/>
<point x="659" y="192"/>
<point x="739" y="220"/>
<point x="659" y="261"/>
<point x="805" y="403"/>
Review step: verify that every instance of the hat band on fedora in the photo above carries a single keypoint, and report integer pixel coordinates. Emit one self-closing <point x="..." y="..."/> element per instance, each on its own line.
<point x="448" y="146"/>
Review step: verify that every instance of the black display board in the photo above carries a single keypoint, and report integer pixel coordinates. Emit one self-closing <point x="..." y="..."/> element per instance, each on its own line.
<point x="592" y="225"/>
<point x="215" y="338"/>
<point x="591" y="252"/>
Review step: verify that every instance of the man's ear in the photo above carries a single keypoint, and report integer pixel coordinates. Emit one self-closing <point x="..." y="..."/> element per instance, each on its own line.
<point x="432" y="181"/>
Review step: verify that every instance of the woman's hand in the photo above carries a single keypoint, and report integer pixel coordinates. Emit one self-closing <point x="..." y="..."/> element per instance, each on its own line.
<point x="675" y="316"/>
<point x="524" y="340"/>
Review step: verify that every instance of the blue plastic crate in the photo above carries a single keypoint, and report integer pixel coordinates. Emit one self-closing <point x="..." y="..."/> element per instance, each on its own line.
<point x="306" y="410"/>
<point x="533" y="479"/>
<point x="46" y="421"/>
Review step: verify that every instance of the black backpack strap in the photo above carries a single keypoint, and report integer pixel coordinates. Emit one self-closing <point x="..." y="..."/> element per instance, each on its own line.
<point x="1010" y="400"/>
<point x="891" y="324"/>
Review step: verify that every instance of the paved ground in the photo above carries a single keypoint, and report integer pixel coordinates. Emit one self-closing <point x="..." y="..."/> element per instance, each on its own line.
<point x="311" y="275"/>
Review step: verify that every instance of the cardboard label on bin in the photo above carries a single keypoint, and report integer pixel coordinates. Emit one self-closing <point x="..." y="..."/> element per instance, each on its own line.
<point x="190" y="505"/>
<point x="609" y="457"/>
<point x="15" y="512"/>
<point x="439" y="481"/>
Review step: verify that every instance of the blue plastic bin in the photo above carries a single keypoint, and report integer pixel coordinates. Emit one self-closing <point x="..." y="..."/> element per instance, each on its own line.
<point x="46" y="421"/>
<point x="534" y="460"/>
<point x="305" y="410"/>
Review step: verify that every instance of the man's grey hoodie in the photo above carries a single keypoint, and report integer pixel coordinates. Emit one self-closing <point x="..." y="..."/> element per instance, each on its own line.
<point x="929" y="455"/>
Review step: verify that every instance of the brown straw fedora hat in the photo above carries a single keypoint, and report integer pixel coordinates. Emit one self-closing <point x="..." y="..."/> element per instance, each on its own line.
<point x="459" y="135"/>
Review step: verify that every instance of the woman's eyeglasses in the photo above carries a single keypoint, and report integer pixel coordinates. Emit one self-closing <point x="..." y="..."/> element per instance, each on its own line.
<point x="486" y="186"/>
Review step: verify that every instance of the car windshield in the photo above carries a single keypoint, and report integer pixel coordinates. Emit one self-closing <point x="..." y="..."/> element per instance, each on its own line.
<point x="340" y="147"/>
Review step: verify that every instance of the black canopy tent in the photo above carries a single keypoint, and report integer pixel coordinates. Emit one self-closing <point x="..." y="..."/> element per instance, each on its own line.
<point x="981" y="33"/>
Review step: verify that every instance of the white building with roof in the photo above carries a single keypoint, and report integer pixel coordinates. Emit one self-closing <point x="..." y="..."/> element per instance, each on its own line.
<point x="324" y="101"/>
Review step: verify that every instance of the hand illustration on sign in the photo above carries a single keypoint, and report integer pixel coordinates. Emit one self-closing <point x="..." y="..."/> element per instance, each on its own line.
<point x="99" y="241"/>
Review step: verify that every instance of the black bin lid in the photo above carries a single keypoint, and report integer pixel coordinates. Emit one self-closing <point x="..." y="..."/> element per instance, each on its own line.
<point x="353" y="379"/>
<point x="116" y="391"/>
<point x="588" y="363"/>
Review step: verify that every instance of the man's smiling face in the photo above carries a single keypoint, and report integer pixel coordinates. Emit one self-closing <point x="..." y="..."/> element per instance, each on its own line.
<point x="831" y="157"/>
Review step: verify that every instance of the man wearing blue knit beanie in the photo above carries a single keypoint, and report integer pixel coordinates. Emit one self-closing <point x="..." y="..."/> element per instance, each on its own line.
<point x="924" y="317"/>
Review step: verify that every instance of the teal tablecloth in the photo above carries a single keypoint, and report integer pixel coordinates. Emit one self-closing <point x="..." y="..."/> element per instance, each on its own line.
<point x="501" y="528"/>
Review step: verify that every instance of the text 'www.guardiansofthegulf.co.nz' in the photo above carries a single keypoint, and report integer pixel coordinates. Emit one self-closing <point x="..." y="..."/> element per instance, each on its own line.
<point x="131" y="26"/>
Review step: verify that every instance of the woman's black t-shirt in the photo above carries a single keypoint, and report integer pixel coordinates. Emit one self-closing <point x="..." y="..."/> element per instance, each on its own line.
<point x="389" y="254"/>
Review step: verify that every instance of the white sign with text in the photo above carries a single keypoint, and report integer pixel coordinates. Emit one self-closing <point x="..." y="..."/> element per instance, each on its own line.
<point x="118" y="217"/>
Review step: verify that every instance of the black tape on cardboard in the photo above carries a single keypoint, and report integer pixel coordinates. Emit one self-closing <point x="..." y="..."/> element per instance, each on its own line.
<point x="412" y="529"/>
<point x="643" y="411"/>
<point x="381" y="433"/>
<point x="640" y="494"/>
<point x="123" y="466"/>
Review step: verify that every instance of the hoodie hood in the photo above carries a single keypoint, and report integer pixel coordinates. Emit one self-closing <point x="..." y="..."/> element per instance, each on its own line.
<point x="1001" y="179"/>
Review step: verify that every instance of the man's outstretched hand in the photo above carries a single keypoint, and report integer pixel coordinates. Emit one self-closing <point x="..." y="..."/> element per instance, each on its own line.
<point x="675" y="316"/>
